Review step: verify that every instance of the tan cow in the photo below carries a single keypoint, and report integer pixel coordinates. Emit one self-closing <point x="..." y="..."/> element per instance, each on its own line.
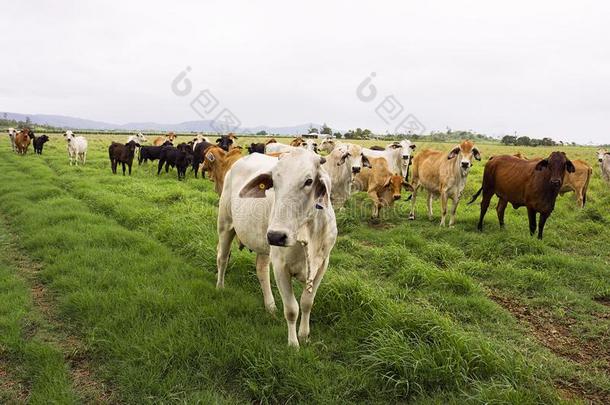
<point x="218" y="162"/>
<point x="23" y="140"/>
<point x="381" y="184"/>
<point x="443" y="175"/>
<point x="161" y="139"/>
<point x="577" y="181"/>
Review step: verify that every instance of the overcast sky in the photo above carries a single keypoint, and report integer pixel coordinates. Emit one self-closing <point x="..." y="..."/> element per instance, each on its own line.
<point x="541" y="68"/>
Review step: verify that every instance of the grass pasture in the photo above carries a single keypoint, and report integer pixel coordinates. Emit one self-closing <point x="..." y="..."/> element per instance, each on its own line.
<point x="107" y="294"/>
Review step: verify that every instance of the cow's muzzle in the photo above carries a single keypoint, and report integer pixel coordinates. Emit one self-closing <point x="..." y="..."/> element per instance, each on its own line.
<point x="277" y="238"/>
<point x="599" y="160"/>
<point x="465" y="165"/>
<point x="355" y="170"/>
<point x="556" y="182"/>
<point x="396" y="197"/>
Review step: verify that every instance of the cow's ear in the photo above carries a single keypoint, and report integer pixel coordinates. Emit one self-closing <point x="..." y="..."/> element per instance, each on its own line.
<point x="365" y="161"/>
<point x="570" y="166"/>
<point x="342" y="160"/>
<point x="218" y="140"/>
<point x="256" y="187"/>
<point x="387" y="182"/>
<point x="321" y="193"/>
<point x="542" y="164"/>
<point x="407" y="186"/>
<point x="454" y="152"/>
<point x="476" y="154"/>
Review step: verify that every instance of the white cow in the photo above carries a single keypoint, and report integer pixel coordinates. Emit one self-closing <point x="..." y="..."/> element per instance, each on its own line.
<point x="11" y="134"/>
<point x="198" y="139"/>
<point x="77" y="148"/>
<point x="327" y="145"/>
<point x="603" y="156"/>
<point x="281" y="210"/>
<point x="342" y="164"/>
<point x="139" y="138"/>
<point x="398" y="155"/>
<point x="277" y="147"/>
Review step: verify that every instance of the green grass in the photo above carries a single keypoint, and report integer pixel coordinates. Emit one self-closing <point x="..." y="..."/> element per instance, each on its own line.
<point x="403" y="314"/>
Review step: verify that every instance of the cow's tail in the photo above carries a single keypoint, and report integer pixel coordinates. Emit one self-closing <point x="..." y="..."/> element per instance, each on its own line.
<point x="474" y="197"/>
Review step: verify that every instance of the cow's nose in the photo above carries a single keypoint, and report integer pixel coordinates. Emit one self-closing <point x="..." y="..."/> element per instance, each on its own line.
<point x="555" y="182"/>
<point x="465" y="165"/>
<point x="396" y="196"/>
<point x="405" y="157"/>
<point x="599" y="160"/>
<point x="355" y="170"/>
<point x="276" y="238"/>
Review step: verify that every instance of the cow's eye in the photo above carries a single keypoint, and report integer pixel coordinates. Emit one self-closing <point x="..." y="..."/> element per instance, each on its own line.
<point x="308" y="182"/>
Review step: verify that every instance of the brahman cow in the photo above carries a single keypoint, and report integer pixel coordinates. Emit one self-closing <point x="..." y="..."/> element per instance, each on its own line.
<point x="77" y="148"/>
<point x="398" y="155"/>
<point x="23" y="139"/>
<point x="11" y="134"/>
<point x="281" y="210"/>
<point x="160" y="140"/>
<point x="39" y="142"/>
<point x="341" y="165"/>
<point x="327" y="145"/>
<point x="443" y="175"/>
<point x="534" y="184"/>
<point x="123" y="154"/>
<point x="380" y="184"/>
<point x="603" y="156"/>
<point x="218" y="162"/>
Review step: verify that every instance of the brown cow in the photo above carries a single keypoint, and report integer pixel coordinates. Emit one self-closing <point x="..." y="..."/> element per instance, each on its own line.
<point x="218" y="162"/>
<point x="160" y="140"/>
<point x="297" y="141"/>
<point x="444" y="175"/>
<point x="578" y="182"/>
<point x="533" y="184"/>
<point x="381" y="184"/>
<point x="23" y="140"/>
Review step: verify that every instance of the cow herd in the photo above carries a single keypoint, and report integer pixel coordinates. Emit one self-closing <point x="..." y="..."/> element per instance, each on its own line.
<point x="279" y="201"/>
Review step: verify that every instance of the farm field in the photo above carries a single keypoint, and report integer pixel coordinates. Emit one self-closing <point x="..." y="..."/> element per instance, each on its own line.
<point x="107" y="294"/>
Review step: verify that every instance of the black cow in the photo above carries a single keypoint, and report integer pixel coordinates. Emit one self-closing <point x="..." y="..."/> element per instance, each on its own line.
<point x="151" y="152"/>
<point x="256" y="148"/>
<point x="180" y="157"/>
<point x="39" y="143"/>
<point x="122" y="154"/>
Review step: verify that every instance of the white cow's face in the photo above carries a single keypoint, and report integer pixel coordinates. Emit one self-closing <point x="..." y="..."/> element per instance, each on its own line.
<point x="12" y="132"/>
<point x="310" y="145"/>
<point x="69" y="135"/>
<point x="141" y="138"/>
<point x="357" y="158"/>
<point x="327" y="145"/>
<point x="300" y="187"/>
<point x="600" y="154"/>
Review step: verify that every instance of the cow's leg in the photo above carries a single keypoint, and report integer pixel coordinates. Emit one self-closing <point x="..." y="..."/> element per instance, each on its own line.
<point x="113" y="166"/>
<point x="429" y="202"/>
<point x="123" y="165"/>
<point x="376" y="203"/>
<point x="84" y="158"/>
<point x="129" y="165"/>
<point x="226" y="233"/>
<point x="160" y="166"/>
<point x="455" y="201"/>
<point x="531" y="215"/>
<point x="262" y="272"/>
<point x="484" y="206"/>
<point x="580" y="200"/>
<point x="444" y="199"/>
<point x="543" y="217"/>
<point x="500" y="210"/>
<point x="307" y="303"/>
<point x="413" y="197"/>
<point x="291" y="306"/>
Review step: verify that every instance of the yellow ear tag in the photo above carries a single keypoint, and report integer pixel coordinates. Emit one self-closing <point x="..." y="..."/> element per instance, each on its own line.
<point x="261" y="186"/>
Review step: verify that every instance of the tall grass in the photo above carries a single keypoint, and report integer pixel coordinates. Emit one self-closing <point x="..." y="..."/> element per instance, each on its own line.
<point x="403" y="313"/>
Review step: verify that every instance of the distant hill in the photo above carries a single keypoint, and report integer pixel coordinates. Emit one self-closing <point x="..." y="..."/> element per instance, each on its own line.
<point x="67" y="122"/>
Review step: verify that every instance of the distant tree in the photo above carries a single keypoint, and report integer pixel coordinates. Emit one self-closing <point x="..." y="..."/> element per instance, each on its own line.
<point x="337" y="134"/>
<point x="263" y="133"/>
<point x="28" y="121"/>
<point x="509" y="140"/>
<point x="5" y="115"/>
<point x="326" y="130"/>
<point x="523" y="141"/>
<point x="548" y="142"/>
<point x="312" y="130"/>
